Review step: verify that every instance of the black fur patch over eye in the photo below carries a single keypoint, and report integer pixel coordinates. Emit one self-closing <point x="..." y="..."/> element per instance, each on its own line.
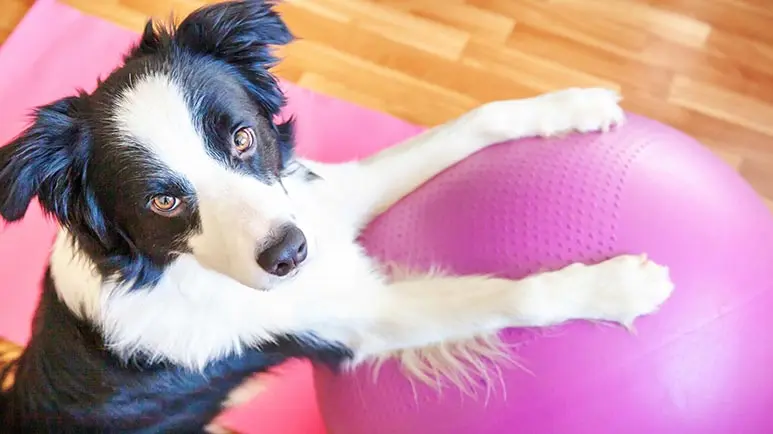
<point x="286" y="141"/>
<point x="239" y="33"/>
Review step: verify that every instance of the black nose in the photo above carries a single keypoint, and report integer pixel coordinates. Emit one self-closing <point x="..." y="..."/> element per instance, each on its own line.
<point x="285" y="253"/>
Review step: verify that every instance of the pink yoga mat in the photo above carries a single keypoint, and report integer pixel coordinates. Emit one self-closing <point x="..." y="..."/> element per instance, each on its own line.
<point x="57" y="49"/>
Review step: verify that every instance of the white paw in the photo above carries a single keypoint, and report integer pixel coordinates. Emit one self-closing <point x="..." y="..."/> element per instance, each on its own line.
<point x="627" y="287"/>
<point x="584" y="110"/>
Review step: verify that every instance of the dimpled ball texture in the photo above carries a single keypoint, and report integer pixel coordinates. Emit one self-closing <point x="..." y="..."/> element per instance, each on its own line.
<point x="701" y="364"/>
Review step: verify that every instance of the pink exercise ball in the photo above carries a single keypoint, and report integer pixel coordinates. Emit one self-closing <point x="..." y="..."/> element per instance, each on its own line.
<point x="701" y="365"/>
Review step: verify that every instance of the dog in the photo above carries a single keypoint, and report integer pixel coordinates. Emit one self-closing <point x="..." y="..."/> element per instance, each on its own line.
<point x="196" y="248"/>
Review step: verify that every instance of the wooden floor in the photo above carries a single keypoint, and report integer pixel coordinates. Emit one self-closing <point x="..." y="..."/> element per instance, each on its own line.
<point x="704" y="66"/>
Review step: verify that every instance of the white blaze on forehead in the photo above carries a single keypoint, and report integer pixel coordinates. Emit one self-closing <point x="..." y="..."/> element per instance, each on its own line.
<point x="154" y="111"/>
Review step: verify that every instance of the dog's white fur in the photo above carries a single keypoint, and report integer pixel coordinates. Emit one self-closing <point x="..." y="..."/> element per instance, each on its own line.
<point x="207" y="305"/>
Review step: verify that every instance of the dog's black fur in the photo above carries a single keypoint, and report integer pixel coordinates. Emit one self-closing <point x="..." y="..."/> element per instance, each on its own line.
<point x="67" y="380"/>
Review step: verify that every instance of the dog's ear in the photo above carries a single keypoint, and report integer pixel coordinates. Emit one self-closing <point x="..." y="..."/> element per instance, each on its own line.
<point x="39" y="162"/>
<point x="150" y="42"/>
<point x="242" y="34"/>
<point x="235" y="31"/>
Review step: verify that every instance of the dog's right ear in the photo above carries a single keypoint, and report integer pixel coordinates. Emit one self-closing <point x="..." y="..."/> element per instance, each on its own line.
<point x="150" y="42"/>
<point x="242" y="34"/>
<point x="39" y="162"/>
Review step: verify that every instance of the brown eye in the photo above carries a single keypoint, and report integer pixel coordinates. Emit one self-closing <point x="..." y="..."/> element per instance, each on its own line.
<point x="165" y="205"/>
<point x="244" y="139"/>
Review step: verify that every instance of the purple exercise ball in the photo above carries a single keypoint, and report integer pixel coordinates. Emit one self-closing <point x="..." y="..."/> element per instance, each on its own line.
<point x="702" y="364"/>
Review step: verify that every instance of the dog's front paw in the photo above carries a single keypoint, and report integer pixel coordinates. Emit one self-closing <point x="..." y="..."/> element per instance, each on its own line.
<point x="627" y="287"/>
<point x="579" y="109"/>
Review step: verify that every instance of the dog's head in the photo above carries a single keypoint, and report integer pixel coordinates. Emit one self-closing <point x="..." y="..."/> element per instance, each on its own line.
<point x="176" y="152"/>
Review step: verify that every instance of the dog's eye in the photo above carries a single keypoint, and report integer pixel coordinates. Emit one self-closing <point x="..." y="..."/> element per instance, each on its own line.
<point x="166" y="205"/>
<point x="244" y="139"/>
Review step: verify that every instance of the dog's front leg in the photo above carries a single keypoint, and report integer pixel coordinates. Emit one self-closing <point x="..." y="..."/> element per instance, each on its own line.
<point x="371" y="186"/>
<point x="374" y="318"/>
<point x="356" y="307"/>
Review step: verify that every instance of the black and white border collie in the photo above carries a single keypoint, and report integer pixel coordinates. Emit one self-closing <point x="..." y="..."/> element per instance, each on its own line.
<point x="196" y="249"/>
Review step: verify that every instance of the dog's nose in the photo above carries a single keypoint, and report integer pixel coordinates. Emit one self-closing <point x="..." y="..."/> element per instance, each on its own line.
<point x="285" y="253"/>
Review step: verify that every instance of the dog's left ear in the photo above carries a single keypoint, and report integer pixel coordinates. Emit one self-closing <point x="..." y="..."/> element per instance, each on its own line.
<point x="40" y="162"/>
<point x="242" y="34"/>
